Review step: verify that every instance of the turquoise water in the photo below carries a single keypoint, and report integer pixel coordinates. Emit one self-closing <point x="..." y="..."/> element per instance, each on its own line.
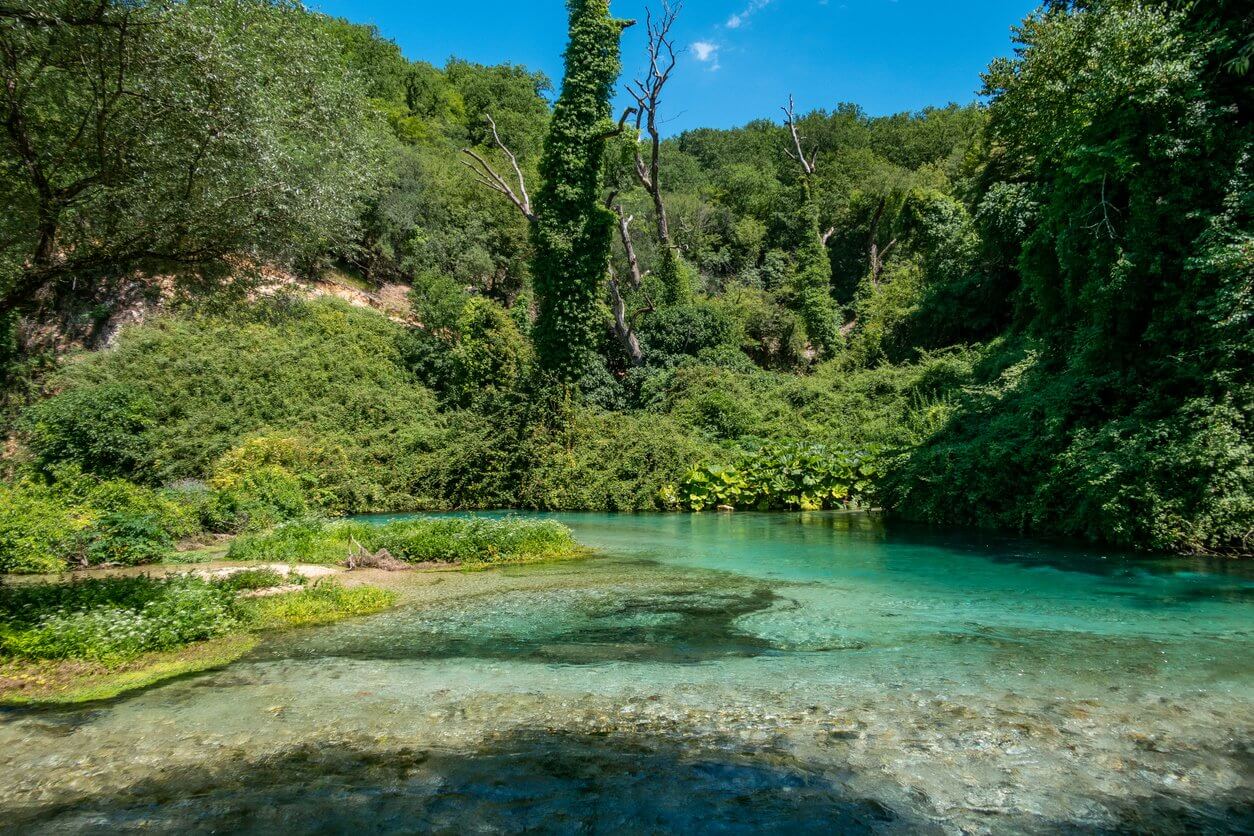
<point x="708" y="673"/>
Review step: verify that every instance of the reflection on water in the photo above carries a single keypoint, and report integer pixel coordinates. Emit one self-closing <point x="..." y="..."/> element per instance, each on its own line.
<point x="742" y="673"/>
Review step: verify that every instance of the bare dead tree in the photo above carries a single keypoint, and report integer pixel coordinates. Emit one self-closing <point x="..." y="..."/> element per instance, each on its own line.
<point x="876" y="254"/>
<point x="623" y="328"/>
<point x="488" y="176"/>
<point x="624" y="232"/>
<point x="807" y="162"/>
<point x="647" y="92"/>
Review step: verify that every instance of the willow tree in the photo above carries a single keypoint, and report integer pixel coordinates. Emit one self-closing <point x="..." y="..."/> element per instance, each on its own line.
<point x="573" y="230"/>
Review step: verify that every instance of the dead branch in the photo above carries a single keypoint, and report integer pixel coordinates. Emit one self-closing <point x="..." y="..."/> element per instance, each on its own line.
<point x="622" y="328"/>
<point x="790" y="119"/>
<point x="624" y="232"/>
<point x="621" y="126"/>
<point x="877" y="254"/>
<point x="663" y="58"/>
<point x="487" y="176"/>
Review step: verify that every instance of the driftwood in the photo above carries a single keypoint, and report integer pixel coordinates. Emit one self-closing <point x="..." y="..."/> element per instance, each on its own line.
<point x="360" y="558"/>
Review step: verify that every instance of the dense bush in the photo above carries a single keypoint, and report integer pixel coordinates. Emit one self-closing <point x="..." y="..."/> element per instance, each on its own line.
<point x="1123" y="412"/>
<point x="491" y="353"/>
<point x="840" y="405"/>
<point x="260" y="498"/>
<point x="38" y="531"/>
<point x="1015" y="456"/>
<point x="326" y="475"/>
<point x="320" y="371"/>
<point x="99" y="429"/>
<point x="127" y="540"/>
<point x="77" y="520"/>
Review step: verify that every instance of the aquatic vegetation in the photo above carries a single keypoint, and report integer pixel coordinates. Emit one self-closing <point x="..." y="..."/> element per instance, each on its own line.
<point x="809" y="477"/>
<point x="321" y="603"/>
<point x="461" y="540"/>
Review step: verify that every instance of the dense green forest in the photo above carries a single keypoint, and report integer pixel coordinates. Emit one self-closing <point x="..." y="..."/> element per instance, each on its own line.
<point x="1031" y="314"/>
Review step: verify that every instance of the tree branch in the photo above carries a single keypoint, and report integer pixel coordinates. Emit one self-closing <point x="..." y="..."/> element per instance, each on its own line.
<point x="624" y="232"/>
<point x="623" y="329"/>
<point x="790" y="119"/>
<point x="487" y="176"/>
<point x="663" y="58"/>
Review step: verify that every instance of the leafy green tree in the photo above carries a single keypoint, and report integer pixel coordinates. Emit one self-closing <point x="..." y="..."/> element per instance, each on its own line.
<point x="1122" y="414"/>
<point x="152" y="133"/>
<point x="573" y="231"/>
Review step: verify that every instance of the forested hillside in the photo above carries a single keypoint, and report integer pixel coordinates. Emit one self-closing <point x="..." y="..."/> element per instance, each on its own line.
<point x="1031" y="314"/>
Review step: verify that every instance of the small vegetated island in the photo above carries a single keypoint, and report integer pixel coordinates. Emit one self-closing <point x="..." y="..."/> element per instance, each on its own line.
<point x="260" y="275"/>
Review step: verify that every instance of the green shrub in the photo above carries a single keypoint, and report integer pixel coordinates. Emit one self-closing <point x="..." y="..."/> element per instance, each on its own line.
<point x="101" y="429"/>
<point x="329" y="374"/>
<point x="38" y="531"/>
<point x="607" y="461"/>
<point x="808" y="477"/>
<point x="262" y="498"/>
<point x="299" y="541"/>
<point x="112" y="620"/>
<point x="251" y="579"/>
<point x="490" y="353"/>
<point x="468" y="540"/>
<point x="80" y="519"/>
<point x="166" y="509"/>
<point x="127" y="540"/>
<point x="669" y="334"/>
<point x="326" y="474"/>
<point x="839" y="406"/>
<point x="1017" y="455"/>
<point x="772" y="336"/>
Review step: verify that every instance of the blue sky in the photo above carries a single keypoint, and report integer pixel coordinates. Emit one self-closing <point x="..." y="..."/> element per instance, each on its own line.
<point x="742" y="57"/>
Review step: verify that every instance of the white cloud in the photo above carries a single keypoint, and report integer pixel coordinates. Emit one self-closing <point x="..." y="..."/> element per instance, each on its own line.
<point x="706" y="53"/>
<point x="742" y="17"/>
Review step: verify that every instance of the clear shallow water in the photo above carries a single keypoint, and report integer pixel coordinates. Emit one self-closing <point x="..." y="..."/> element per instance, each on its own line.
<point x="711" y="673"/>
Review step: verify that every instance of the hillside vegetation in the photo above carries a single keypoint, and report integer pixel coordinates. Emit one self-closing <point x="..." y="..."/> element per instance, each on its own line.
<point x="1032" y="315"/>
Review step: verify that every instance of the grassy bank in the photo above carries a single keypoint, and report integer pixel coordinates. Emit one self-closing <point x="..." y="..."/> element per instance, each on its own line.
<point x="70" y="681"/>
<point x="421" y="541"/>
<point x="97" y="638"/>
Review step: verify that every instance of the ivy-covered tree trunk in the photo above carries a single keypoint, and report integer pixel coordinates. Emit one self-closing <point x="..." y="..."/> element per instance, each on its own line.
<point x="573" y="230"/>
<point x="812" y="280"/>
